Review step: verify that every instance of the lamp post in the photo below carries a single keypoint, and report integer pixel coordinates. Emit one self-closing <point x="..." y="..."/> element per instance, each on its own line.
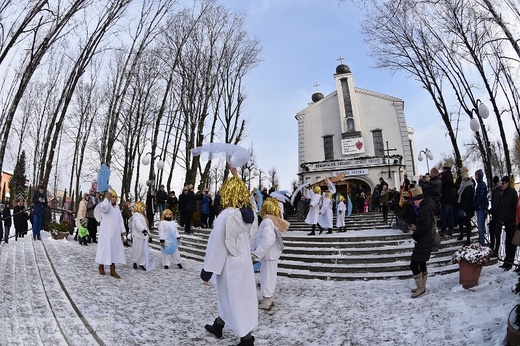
<point x="259" y="174"/>
<point x="147" y="158"/>
<point x="429" y="156"/>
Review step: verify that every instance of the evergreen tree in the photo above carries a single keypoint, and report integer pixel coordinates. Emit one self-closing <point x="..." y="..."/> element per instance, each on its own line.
<point x="17" y="182"/>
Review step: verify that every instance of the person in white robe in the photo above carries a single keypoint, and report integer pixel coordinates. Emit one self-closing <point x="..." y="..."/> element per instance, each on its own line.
<point x="169" y="234"/>
<point x="112" y="234"/>
<point x="140" y="235"/>
<point x="314" y="210"/>
<point x="228" y="263"/>
<point x="341" y="209"/>
<point x="325" y="217"/>
<point x="268" y="246"/>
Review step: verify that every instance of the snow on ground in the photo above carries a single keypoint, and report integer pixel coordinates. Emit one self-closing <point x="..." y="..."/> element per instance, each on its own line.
<point x="171" y="307"/>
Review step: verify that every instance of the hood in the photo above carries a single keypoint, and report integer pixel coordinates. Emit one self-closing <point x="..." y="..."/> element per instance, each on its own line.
<point x="247" y="214"/>
<point x="279" y="223"/>
<point x="480" y="175"/>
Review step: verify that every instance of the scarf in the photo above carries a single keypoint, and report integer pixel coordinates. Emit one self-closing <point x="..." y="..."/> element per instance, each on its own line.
<point x="461" y="189"/>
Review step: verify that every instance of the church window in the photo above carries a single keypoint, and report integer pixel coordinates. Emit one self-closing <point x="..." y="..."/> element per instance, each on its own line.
<point x="379" y="147"/>
<point x="328" y="146"/>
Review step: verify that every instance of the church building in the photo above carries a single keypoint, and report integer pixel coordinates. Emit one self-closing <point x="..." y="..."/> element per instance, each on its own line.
<point x="354" y="136"/>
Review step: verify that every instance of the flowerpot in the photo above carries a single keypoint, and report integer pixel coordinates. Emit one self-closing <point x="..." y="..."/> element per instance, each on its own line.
<point x="513" y="332"/>
<point x="59" y="235"/>
<point x="469" y="274"/>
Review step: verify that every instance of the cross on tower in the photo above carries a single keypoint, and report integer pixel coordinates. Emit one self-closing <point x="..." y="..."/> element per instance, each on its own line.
<point x="388" y="150"/>
<point x="340" y="59"/>
<point x="316" y="85"/>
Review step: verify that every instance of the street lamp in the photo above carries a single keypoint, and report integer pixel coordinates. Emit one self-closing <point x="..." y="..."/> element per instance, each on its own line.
<point x="259" y="174"/>
<point x="482" y="112"/>
<point x="147" y="158"/>
<point x="429" y="156"/>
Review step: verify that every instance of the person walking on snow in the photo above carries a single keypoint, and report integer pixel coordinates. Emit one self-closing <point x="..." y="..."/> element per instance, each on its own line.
<point x="325" y="218"/>
<point x="267" y="247"/>
<point x="140" y="234"/>
<point x="341" y="208"/>
<point x="314" y="209"/>
<point x="168" y="235"/>
<point x="228" y="258"/>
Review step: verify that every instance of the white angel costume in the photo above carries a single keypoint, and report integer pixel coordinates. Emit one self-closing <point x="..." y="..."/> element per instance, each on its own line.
<point x="341" y="208"/>
<point x="110" y="244"/>
<point x="268" y="246"/>
<point x="228" y="257"/>
<point x="325" y="217"/>
<point x="138" y="227"/>
<point x="314" y="209"/>
<point x="169" y="233"/>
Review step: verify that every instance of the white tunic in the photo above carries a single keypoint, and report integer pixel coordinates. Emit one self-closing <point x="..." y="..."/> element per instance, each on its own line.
<point x="167" y="231"/>
<point x="268" y="246"/>
<point x="325" y="219"/>
<point x="137" y="224"/>
<point x="110" y="245"/>
<point x="236" y="286"/>
<point x="314" y="209"/>
<point x="341" y="208"/>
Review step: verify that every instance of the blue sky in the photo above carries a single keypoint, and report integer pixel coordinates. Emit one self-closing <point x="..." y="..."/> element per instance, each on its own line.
<point x="301" y="42"/>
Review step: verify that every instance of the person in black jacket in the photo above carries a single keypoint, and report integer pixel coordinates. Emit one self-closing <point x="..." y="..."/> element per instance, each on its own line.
<point x="447" y="197"/>
<point x="161" y="197"/>
<point x="407" y="213"/>
<point x="423" y="236"/>
<point x="20" y="218"/>
<point x="465" y="201"/>
<point x="189" y="201"/>
<point x="432" y="186"/>
<point x="6" y="216"/>
<point x="495" y="227"/>
<point x="507" y="208"/>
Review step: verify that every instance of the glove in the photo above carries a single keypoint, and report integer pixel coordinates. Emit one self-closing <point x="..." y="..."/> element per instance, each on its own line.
<point x="205" y="276"/>
<point x="145" y="232"/>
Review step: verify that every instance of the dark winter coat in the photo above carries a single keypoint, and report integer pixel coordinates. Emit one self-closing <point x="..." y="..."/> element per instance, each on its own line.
<point x="447" y="193"/>
<point x="507" y="206"/>
<point x="480" y="202"/>
<point x="423" y="234"/>
<point x="6" y="216"/>
<point x="466" y="202"/>
<point x="495" y="201"/>
<point x="206" y="205"/>
<point x="39" y="207"/>
<point x="172" y="201"/>
<point x="161" y="196"/>
<point x="191" y="200"/>
<point x="20" y="218"/>
<point x="432" y="188"/>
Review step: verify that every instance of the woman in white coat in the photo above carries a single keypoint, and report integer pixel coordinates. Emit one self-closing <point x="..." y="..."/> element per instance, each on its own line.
<point x="140" y="235"/>
<point x="228" y="260"/>
<point x="325" y="218"/>
<point x="314" y="210"/>
<point x="268" y="246"/>
<point x="168" y="235"/>
<point x="112" y="234"/>
<point x="341" y="208"/>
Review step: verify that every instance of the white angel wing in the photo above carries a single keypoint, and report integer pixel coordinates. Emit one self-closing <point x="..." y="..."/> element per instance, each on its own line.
<point x="279" y="196"/>
<point x="235" y="155"/>
<point x="298" y="190"/>
<point x="331" y="186"/>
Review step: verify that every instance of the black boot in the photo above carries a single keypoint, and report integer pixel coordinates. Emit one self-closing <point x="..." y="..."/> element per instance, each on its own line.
<point x="321" y="228"/>
<point x="329" y="231"/>
<point x="247" y="341"/>
<point x="312" y="232"/>
<point x="215" y="329"/>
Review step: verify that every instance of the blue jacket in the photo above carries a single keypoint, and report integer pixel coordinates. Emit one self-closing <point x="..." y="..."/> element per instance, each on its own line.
<point x="480" y="202"/>
<point x="39" y="207"/>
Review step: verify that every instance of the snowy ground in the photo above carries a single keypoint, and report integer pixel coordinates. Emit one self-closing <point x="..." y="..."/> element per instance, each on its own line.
<point x="171" y="307"/>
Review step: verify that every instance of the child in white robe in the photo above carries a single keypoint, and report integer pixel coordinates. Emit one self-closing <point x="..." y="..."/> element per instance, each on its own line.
<point x="140" y="236"/>
<point x="168" y="235"/>
<point x="340" y="214"/>
<point x="268" y="246"/>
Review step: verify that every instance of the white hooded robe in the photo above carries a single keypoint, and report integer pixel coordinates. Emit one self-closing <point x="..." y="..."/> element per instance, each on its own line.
<point x="110" y="245"/>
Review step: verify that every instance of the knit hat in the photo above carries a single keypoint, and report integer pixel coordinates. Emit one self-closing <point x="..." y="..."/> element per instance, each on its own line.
<point x="417" y="193"/>
<point x="447" y="165"/>
<point x="505" y="179"/>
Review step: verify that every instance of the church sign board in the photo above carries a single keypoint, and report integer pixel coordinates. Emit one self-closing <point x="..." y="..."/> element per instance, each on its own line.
<point x="346" y="164"/>
<point x="351" y="146"/>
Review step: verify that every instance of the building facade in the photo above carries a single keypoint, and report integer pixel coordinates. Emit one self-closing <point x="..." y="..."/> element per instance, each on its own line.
<point x="359" y="133"/>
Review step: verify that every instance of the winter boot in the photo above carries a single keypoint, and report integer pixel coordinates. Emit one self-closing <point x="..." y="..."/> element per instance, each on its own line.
<point x="450" y="232"/>
<point x="215" y="329"/>
<point x="329" y="231"/>
<point x="312" y="232"/>
<point x="321" y="229"/>
<point x="420" y="285"/>
<point x="113" y="271"/>
<point x="425" y="277"/>
<point x="247" y="340"/>
<point x="266" y="303"/>
<point x="101" y="269"/>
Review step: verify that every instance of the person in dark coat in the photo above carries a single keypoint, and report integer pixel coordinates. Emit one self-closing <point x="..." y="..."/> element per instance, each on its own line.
<point x="480" y="205"/>
<point x="465" y="202"/>
<point x="39" y="204"/>
<point x="447" y="199"/>
<point x="6" y="216"/>
<point x="20" y="218"/>
<point x="173" y="204"/>
<point x="150" y="207"/>
<point x="507" y="209"/>
<point x="189" y="201"/>
<point x="423" y="237"/>
<point x="161" y="197"/>
<point x="495" y="227"/>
